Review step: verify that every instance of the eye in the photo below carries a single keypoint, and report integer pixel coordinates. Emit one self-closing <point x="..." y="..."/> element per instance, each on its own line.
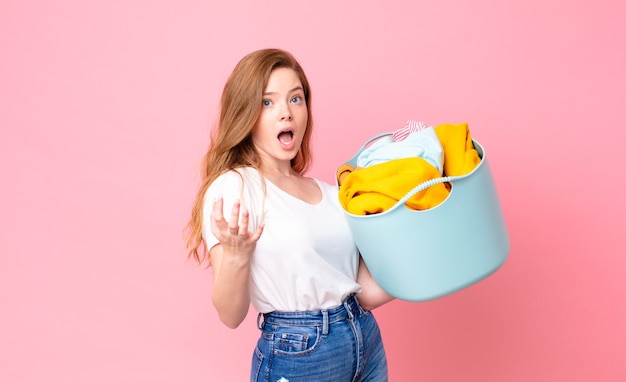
<point x="267" y="103"/>
<point x="296" y="99"/>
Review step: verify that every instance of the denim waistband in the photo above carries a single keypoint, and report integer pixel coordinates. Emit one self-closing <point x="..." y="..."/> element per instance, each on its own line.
<point x="349" y="309"/>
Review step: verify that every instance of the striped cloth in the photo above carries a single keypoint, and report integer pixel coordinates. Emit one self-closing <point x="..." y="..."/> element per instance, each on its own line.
<point x="411" y="126"/>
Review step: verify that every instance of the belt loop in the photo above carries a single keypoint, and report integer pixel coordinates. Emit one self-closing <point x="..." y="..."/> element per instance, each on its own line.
<point x="348" y="305"/>
<point x="258" y="321"/>
<point x="324" y="323"/>
<point x="359" y="309"/>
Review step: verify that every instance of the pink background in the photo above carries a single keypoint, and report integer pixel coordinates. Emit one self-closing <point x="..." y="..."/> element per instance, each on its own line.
<point x="104" y="115"/>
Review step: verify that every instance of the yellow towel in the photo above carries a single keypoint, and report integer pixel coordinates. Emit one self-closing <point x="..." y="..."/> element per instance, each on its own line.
<point x="459" y="154"/>
<point x="376" y="188"/>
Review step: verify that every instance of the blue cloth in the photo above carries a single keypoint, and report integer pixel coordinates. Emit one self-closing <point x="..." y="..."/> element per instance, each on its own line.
<point x="421" y="144"/>
<point x="338" y="344"/>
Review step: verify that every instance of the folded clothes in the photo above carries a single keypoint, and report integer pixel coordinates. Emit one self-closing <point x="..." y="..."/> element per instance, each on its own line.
<point x="377" y="187"/>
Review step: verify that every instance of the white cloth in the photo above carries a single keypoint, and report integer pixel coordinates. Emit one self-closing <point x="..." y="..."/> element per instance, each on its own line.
<point x="306" y="258"/>
<point x="423" y="143"/>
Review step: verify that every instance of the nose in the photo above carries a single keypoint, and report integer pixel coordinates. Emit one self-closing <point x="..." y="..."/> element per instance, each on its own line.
<point x="286" y="114"/>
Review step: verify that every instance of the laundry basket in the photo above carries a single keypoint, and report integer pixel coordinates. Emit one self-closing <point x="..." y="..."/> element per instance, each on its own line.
<point x="422" y="255"/>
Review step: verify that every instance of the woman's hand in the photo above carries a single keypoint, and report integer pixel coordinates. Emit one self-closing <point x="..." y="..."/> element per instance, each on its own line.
<point x="235" y="238"/>
<point x="372" y="295"/>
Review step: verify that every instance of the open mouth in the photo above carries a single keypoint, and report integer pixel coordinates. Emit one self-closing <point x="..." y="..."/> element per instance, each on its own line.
<point x="285" y="136"/>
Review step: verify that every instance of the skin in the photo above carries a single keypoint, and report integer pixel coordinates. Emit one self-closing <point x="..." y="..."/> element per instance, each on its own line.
<point x="277" y="137"/>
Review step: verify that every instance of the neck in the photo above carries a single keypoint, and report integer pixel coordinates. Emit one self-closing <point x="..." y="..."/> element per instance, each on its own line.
<point x="278" y="170"/>
<point x="276" y="174"/>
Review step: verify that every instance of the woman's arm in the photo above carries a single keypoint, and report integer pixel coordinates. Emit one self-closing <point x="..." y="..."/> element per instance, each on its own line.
<point x="230" y="260"/>
<point x="230" y="295"/>
<point x="372" y="295"/>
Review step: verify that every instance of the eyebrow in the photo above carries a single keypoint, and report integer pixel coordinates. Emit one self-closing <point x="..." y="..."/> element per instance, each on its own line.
<point x="290" y="91"/>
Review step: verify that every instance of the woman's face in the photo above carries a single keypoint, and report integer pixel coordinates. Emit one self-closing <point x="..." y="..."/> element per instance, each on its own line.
<point x="280" y="128"/>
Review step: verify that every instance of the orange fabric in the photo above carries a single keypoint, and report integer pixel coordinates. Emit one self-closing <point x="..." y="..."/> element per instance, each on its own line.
<point x="343" y="171"/>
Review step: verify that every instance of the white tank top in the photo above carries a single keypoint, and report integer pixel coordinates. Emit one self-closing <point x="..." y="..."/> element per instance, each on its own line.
<point x="306" y="258"/>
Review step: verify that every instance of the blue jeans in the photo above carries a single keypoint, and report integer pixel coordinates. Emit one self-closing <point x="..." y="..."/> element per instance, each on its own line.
<point x="341" y="344"/>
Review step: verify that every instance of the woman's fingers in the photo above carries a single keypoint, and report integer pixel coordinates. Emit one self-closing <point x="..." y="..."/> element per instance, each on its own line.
<point x="243" y="227"/>
<point x="217" y="212"/>
<point x="237" y="224"/>
<point x="257" y="234"/>
<point x="233" y="222"/>
<point x="217" y="215"/>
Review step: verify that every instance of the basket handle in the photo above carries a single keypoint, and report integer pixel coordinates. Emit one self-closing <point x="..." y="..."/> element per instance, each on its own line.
<point x="372" y="139"/>
<point x="424" y="185"/>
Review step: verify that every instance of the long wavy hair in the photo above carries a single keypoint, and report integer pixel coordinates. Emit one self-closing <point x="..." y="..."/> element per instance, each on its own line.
<point x="231" y="144"/>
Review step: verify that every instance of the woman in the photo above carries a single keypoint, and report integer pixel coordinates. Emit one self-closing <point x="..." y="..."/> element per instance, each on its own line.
<point x="278" y="240"/>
